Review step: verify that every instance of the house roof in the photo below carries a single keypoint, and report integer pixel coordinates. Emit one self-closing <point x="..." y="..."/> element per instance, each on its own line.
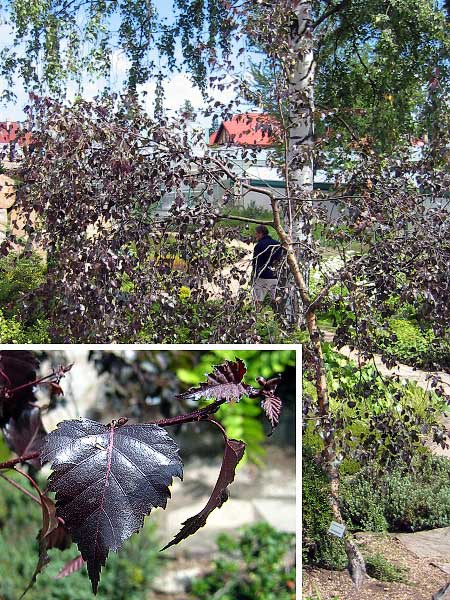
<point x="212" y="137"/>
<point x="248" y="129"/>
<point x="9" y="133"/>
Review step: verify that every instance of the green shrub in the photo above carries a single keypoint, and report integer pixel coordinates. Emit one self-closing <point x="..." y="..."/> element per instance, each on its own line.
<point x="362" y="505"/>
<point x="399" y="500"/>
<point x="21" y="274"/>
<point x="12" y="331"/>
<point x="268" y="325"/>
<point x="415" y="345"/>
<point x="127" y="574"/>
<point x="360" y="396"/>
<point x="249" y="567"/>
<point x="380" y="568"/>
<point x="318" y="546"/>
<point x="18" y="274"/>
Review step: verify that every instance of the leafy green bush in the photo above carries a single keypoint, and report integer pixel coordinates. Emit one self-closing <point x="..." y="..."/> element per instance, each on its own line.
<point x="12" y="331"/>
<point x="360" y="398"/>
<point x="20" y="274"/>
<point x="415" y="345"/>
<point x="318" y="546"/>
<point x="362" y="505"/>
<point x="250" y="566"/>
<point x="268" y="325"/>
<point x="127" y="575"/>
<point x="399" y="500"/>
<point x="380" y="568"/>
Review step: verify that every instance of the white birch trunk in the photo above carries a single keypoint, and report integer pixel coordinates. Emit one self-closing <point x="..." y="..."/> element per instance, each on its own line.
<point x="300" y="175"/>
<point x="301" y="132"/>
<point x="300" y="160"/>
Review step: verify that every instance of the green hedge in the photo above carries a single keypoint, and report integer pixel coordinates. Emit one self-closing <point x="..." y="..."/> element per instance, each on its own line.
<point x="376" y="500"/>
<point x="13" y="331"/>
<point x="415" y="345"/>
<point x="318" y="546"/>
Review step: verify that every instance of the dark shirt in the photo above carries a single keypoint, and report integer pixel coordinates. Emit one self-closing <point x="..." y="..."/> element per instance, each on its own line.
<point x="266" y="253"/>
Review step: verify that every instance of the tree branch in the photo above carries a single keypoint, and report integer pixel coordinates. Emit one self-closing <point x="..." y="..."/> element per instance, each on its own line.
<point x="9" y="464"/>
<point x="328" y="13"/>
<point x="246" y="219"/>
<point x="197" y="415"/>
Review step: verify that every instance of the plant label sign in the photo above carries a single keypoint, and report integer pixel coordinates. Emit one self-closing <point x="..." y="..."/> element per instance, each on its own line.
<point x="337" y="529"/>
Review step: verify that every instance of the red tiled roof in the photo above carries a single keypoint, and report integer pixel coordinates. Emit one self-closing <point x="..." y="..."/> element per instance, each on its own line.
<point x="8" y="133"/>
<point x="248" y="129"/>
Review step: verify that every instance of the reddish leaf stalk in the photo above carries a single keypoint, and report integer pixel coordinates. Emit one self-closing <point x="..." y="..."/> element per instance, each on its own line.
<point x="9" y="464"/>
<point x="30" y="479"/>
<point x="197" y="415"/>
<point x="57" y="374"/>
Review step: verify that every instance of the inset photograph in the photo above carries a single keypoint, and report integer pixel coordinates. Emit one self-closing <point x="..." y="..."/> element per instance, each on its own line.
<point x="147" y="474"/>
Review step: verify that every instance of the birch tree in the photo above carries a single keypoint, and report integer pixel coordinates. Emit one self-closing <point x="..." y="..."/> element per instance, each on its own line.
<point x="380" y="198"/>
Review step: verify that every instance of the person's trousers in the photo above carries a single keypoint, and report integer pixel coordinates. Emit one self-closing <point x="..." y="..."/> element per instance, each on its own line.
<point x="261" y="287"/>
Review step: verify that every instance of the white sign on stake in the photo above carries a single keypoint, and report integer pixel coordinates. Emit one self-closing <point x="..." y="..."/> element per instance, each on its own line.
<point x="337" y="529"/>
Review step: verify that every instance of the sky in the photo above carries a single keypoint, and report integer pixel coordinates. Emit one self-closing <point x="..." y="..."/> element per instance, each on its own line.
<point x="178" y="87"/>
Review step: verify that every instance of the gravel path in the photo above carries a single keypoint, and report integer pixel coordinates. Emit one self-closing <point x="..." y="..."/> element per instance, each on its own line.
<point x="423" y="579"/>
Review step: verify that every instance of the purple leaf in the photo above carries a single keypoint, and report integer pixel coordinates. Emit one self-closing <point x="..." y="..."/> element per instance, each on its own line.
<point x="107" y="478"/>
<point x="234" y="451"/>
<point x="17" y="368"/>
<point x="49" y="524"/>
<point x="59" y="538"/>
<point x="224" y="383"/>
<point x="25" y="434"/>
<point x="72" y="566"/>
<point x="272" y="407"/>
<point x="271" y="404"/>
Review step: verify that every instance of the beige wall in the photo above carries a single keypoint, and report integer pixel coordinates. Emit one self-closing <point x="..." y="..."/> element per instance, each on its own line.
<point x="7" y="199"/>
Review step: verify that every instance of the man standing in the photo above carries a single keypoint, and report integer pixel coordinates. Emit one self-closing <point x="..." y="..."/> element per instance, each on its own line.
<point x="266" y="254"/>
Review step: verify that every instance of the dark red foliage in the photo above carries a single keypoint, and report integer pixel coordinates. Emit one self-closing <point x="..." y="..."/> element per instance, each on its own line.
<point x="72" y="566"/>
<point x="107" y="478"/>
<point x="17" y="369"/>
<point x="224" y="383"/>
<point x="59" y="538"/>
<point x="271" y="404"/>
<point x="234" y="451"/>
<point x="25" y="434"/>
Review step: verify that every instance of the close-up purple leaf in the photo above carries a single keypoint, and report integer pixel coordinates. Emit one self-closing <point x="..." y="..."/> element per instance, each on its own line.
<point x="70" y="567"/>
<point x="59" y="538"/>
<point x="234" y="451"/>
<point x="49" y="525"/>
<point x="25" y="434"/>
<point x="224" y="383"/>
<point x="107" y="478"/>
<point x="270" y="403"/>
<point x="17" y="370"/>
